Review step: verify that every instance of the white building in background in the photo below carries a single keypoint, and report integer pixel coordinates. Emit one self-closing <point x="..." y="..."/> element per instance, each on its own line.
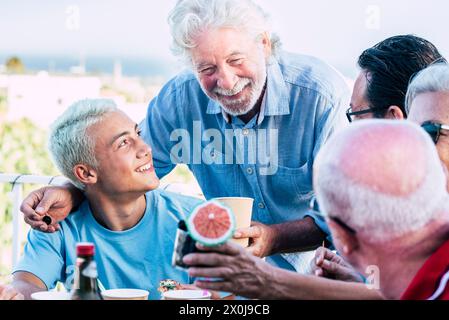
<point x="43" y="97"/>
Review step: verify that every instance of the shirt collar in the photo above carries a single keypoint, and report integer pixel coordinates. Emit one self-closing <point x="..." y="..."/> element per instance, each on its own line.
<point x="213" y="107"/>
<point x="276" y="98"/>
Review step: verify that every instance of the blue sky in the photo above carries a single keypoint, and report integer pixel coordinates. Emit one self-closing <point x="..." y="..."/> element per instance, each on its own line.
<point x="336" y="31"/>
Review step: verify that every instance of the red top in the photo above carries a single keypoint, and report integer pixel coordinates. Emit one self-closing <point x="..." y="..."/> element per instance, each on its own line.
<point x="85" y="249"/>
<point x="430" y="283"/>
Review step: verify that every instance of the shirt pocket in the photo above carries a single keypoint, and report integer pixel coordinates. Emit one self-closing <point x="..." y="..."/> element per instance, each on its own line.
<point x="293" y="184"/>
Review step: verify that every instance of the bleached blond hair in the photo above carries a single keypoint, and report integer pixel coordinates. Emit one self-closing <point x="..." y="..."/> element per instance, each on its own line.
<point x="69" y="143"/>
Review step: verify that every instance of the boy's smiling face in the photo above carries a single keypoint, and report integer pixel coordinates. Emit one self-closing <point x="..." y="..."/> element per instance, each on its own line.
<point x="125" y="163"/>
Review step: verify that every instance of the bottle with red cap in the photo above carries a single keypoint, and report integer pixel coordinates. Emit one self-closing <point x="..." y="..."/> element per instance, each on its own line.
<point x="85" y="286"/>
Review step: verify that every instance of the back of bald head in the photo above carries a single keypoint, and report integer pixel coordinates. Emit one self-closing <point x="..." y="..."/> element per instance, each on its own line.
<point x="382" y="177"/>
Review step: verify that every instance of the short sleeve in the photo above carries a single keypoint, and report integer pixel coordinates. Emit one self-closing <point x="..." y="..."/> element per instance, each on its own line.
<point x="332" y="119"/>
<point x="44" y="257"/>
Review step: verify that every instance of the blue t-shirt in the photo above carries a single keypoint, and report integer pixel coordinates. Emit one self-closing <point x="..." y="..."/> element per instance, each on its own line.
<point x="136" y="258"/>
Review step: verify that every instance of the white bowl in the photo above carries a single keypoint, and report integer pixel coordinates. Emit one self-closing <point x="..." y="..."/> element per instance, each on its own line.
<point x="186" y="295"/>
<point x="125" y="294"/>
<point x="50" y="295"/>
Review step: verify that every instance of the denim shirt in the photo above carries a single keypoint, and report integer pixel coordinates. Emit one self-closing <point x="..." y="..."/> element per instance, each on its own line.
<point x="270" y="158"/>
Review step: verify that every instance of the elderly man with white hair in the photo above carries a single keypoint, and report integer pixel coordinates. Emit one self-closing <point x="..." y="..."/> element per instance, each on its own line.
<point x="387" y="214"/>
<point x="247" y="118"/>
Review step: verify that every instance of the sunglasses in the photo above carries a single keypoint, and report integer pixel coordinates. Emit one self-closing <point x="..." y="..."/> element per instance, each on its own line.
<point x="350" y="113"/>
<point x="434" y="129"/>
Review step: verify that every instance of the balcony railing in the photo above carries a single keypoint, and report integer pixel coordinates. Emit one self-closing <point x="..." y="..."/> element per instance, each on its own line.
<point x="17" y="181"/>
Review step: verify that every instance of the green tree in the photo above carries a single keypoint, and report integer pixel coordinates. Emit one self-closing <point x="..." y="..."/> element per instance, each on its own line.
<point x="15" y="65"/>
<point x="22" y="150"/>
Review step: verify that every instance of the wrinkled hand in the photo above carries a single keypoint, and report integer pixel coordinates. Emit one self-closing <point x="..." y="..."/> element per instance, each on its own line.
<point x="56" y="202"/>
<point x="234" y="269"/>
<point x="261" y="240"/>
<point x="328" y="264"/>
<point x="9" y="293"/>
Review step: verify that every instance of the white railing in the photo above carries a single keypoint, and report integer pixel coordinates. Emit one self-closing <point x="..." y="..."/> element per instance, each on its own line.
<point x="17" y="181"/>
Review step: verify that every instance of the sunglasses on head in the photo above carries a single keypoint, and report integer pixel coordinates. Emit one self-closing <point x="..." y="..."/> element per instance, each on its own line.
<point x="434" y="129"/>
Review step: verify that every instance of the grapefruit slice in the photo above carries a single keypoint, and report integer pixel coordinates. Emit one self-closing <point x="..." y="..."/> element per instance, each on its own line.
<point x="211" y="223"/>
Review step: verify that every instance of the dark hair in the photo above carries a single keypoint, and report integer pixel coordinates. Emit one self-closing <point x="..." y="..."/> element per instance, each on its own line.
<point x="390" y="65"/>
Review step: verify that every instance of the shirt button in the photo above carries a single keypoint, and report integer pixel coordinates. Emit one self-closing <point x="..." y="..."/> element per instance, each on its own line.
<point x="249" y="171"/>
<point x="245" y="132"/>
<point x="261" y="205"/>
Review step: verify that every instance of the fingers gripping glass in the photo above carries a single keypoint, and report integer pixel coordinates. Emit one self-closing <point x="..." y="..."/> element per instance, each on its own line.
<point x="350" y="113"/>
<point x="434" y="129"/>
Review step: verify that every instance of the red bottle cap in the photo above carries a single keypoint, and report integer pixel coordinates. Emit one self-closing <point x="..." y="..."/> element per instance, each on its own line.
<point x="85" y="249"/>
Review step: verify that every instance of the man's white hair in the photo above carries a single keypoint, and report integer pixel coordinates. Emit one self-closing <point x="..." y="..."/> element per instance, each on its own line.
<point x="191" y="17"/>
<point x="434" y="78"/>
<point x="376" y="216"/>
<point x="69" y="143"/>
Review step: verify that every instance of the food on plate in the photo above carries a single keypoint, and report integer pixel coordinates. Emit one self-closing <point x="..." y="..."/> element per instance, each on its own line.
<point x="168" y="284"/>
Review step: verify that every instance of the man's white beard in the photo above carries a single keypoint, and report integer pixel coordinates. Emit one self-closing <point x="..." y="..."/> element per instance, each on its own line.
<point x="240" y="106"/>
<point x="243" y="105"/>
